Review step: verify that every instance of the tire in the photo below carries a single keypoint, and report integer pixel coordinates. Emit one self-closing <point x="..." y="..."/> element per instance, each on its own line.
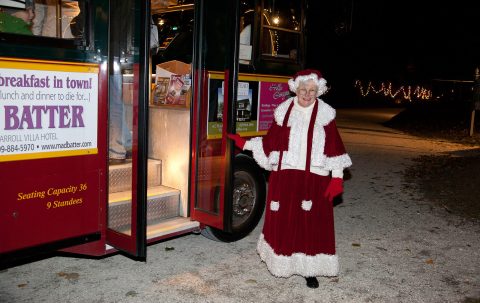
<point x="249" y="193"/>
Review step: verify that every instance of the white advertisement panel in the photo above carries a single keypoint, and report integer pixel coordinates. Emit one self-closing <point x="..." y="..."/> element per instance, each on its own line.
<point x="47" y="110"/>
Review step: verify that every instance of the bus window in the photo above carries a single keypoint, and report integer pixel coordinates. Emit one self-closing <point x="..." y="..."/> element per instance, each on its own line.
<point x="57" y="18"/>
<point x="281" y="29"/>
<point x="247" y="15"/>
<point x="46" y="18"/>
<point x="16" y="16"/>
<point x="175" y="31"/>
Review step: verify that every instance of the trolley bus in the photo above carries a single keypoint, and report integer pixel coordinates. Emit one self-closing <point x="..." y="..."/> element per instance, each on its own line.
<point x="110" y="141"/>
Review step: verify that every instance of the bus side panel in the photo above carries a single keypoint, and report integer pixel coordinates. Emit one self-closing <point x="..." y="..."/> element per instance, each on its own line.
<point x="47" y="198"/>
<point x="52" y="215"/>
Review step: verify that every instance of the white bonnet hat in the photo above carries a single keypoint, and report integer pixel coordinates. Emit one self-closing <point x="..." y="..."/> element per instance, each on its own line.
<point x="305" y="75"/>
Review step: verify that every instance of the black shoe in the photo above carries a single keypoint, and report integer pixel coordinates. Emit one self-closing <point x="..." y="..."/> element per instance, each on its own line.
<point x="312" y="282"/>
<point x="113" y="161"/>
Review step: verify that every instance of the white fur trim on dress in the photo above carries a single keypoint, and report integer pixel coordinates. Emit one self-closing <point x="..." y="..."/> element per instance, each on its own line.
<point x="307" y="205"/>
<point x="281" y="110"/>
<point x="321" y="83"/>
<point x="319" y="161"/>
<point x="338" y="162"/>
<point x="298" y="263"/>
<point x="297" y="125"/>
<point x="337" y="173"/>
<point x="274" y="206"/>
<point x="325" y="115"/>
<point x="269" y="162"/>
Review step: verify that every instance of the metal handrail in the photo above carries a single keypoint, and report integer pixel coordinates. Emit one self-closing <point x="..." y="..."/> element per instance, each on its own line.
<point x="158" y="8"/>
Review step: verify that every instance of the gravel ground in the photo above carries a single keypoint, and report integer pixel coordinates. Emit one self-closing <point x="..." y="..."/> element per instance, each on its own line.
<point x="451" y="181"/>
<point x="394" y="245"/>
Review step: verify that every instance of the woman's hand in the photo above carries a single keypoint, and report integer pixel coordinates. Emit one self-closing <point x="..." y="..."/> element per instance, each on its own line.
<point x="334" y="188"/>
<point x="239" y="141"/>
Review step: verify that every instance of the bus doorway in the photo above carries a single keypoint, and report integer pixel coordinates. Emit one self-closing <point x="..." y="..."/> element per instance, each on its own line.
<point x="196" y="53"/>
<point x="168" y="132"/>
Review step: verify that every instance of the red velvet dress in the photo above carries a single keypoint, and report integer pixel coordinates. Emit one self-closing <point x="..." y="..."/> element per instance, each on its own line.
<point x="298" y="236"/>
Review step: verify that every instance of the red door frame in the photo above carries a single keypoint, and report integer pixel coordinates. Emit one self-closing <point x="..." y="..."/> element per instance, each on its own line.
<point x="135" y="244"/>
<point x="222" y="219"/>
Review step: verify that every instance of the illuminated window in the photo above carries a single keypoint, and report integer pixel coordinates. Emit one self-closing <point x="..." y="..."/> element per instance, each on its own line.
<point x="49" y="18"/>
<point x="281" y="29"/>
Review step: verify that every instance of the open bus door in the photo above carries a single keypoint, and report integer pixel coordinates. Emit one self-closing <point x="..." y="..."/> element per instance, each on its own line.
<point x="229" y="191"/>
<point x="129" y="80"/>
<point x="197" y="24"/>
<point x="226" y="192"/>
<point x="212" y="156"/>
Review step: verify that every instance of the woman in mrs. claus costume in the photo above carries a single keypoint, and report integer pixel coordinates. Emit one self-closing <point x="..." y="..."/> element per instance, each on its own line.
<point x="306" y="155"/>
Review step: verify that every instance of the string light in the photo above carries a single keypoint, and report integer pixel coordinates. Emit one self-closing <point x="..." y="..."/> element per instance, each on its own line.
<point x="277" y="43"/>
<point x="385" y="89"/>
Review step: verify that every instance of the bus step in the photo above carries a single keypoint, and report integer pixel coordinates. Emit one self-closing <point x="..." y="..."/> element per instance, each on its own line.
<point x="171" y="226"/>
<point x="120" y="176"/>
<point x="162" y="203"/>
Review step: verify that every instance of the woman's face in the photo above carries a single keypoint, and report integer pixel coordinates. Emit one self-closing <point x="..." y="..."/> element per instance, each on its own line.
<point x="26" y="15"/>
<point x="307" y="93"/>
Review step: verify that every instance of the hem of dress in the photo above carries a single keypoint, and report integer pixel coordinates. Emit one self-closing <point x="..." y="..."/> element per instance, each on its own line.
<point x="297" y="263"/>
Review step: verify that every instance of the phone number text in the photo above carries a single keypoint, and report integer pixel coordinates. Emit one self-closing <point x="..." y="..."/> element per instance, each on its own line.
<point x="17" y="148"/>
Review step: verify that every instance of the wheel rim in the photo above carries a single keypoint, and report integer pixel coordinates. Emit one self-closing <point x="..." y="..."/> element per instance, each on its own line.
<point x="244" y="198"/>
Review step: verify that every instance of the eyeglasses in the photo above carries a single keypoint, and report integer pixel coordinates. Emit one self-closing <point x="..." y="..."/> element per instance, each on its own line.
<point x="303" y="91"/>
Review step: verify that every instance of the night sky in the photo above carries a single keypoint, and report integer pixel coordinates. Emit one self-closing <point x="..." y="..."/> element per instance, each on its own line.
<point x="408" y="40"/>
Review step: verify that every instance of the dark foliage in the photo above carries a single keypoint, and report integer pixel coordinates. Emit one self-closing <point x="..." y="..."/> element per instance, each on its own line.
<point x="443" y="120"/>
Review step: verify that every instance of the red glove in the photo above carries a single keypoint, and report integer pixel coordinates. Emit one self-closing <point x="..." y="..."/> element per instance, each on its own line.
<point x="239" y="141"/>
<point x="334" y="188"/>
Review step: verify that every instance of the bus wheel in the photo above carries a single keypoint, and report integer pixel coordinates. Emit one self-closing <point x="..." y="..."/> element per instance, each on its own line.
<point x="248" y="203"/>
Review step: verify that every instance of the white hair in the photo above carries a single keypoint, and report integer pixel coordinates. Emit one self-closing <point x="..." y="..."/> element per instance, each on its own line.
<point x="321" y="83"/>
